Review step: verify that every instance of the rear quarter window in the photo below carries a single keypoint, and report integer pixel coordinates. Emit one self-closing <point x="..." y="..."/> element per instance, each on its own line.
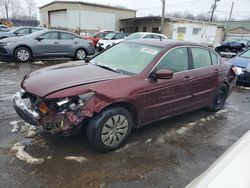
<point x="214" y="58"/>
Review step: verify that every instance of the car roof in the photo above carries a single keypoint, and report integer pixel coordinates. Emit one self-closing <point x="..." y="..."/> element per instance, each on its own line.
<point x="20" y="27"/>
<point x="146" y="33"/>
<point x="55" y="30"/>
<point x="164" y="43"/>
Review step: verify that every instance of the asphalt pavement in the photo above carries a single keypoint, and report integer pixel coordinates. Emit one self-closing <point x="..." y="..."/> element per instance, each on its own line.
<point x="167" y="154"/>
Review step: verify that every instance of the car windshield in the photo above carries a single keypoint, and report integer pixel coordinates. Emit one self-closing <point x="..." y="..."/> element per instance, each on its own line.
<point x="110" y="35"/>
<point x="134" y="36"/>
<point x="245" y="54"/>
<point x="127" y="58"/>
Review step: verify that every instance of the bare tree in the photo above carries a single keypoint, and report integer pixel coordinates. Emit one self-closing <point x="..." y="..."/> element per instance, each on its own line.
<point x="202" y="17"/>
<point x="6" y="5"/>
<point x="188" y="15"/>
<point x="31" y="8"/>
<point x="16" y="9"/>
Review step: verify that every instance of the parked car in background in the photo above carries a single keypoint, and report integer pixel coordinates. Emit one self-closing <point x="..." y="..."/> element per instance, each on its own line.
<point x="4" y="28"/>
<point x="145" y="35"/>
<point x="232" y="47"/>
<point x="127" y="86"/>
<point x="110" y="39"/>
<point x="242" y="65"/>
<point x="97" y="36"/>
<point x="19" y="31"/>
<point x="46" y="43"/>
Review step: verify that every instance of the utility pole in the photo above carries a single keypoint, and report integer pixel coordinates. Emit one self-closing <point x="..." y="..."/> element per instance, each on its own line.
<point x="213" y="9"/>
<point x="162" y="16"/>
<point x="229" y="19"/>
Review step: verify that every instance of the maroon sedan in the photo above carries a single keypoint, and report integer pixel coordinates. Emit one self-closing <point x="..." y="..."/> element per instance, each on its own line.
<point x="129" y="85"/>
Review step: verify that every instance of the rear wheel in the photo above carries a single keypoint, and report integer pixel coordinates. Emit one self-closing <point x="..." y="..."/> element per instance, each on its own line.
<point x="108" y="130"/>
<point x="80" y="54"/>
<point x="22" y="54"/>
<point x="219" y="98"/>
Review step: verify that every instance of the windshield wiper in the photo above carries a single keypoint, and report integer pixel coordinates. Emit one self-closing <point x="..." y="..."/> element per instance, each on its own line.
<point x="108" y="67"/>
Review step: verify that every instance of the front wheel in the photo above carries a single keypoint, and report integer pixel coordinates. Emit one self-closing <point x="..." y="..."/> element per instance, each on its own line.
<point x="22" y="54"/>
<point x="80" y="54"/>
<point x="219" y="98"/>
<point x="108" y="130"/>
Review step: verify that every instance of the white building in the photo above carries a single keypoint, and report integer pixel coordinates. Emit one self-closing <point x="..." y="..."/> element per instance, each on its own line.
<point x="202" y="33"/>
<point x="82" y="15"/>
<point x="176" y="28"/>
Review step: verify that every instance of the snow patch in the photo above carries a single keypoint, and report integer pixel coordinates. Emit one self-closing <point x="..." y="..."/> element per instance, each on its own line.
<point x="148" y="140"/>
<point x="24" y="156"/>
<point x="77" y="159"/>
<point x="28" y="130"/>
<point x="38" y="63"/>
<point x="182" y="130"/>
<point x="244" y="88"/>
<point x="160" y="140"/>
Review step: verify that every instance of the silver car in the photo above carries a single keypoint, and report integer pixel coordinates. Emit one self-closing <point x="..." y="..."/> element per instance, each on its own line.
<point x="19" y="31"/>
<point x="46" y="43"/>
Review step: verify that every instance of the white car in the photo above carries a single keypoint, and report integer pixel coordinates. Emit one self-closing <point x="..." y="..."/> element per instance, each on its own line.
<point x="231" y="170"/>
<point x="110" y="40"/>
<point x="146" y="35"/>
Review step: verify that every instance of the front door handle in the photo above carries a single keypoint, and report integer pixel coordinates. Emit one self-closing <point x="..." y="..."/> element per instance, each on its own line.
<point x="187" y="77"/>
<point x="56" y="42"/>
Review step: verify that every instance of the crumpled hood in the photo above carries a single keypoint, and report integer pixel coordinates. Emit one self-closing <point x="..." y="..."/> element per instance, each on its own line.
<point x="54" y="78"/>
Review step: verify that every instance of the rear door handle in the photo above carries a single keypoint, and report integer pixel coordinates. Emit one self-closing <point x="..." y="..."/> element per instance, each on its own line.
<point x="216" y="70"/>
<point x="56" y="42"/>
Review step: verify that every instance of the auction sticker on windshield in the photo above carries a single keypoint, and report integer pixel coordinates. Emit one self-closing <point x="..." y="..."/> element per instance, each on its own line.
<point x="149" y="51"/>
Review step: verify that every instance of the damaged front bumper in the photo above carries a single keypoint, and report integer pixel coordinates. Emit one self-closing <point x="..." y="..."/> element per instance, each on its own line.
<point x="22" y="109"/>
<point x="65" y="122"/>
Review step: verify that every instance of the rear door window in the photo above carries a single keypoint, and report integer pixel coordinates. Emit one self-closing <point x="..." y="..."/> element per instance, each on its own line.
<point x="24" y="31"/>
<point x="50" y="36"/>
<point x="119" y="36"/>
<point x="201" y="57"/>
<point x="148" y="37"/>
<point x="34" y="30"/>
<point x="156" y="37"/>
<point x="175" y="60"/>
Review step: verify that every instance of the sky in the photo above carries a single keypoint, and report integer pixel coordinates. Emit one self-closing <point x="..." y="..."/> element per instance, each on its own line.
<point x="146" y="7"/>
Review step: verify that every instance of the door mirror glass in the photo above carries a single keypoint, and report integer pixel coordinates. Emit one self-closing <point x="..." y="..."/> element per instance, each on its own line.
<point x="163" y="74"/>
<point x="39" y="38"/>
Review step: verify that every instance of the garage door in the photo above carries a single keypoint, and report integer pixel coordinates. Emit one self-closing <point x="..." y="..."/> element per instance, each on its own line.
<point x="58" y="18"/>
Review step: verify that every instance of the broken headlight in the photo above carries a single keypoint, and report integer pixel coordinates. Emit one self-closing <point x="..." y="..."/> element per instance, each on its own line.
<point x="74" y="103"/>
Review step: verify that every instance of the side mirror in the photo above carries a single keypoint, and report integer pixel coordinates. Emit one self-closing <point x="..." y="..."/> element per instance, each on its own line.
<point x="39" y="38"/>
<point x="163" y="74"/>
<point x="16" y="33"/>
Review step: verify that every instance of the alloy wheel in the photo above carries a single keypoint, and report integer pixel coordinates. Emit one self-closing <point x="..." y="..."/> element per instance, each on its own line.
<point x="23" y="55"/>
<point x="114" y="130"/>
<point x="81" y="54"/>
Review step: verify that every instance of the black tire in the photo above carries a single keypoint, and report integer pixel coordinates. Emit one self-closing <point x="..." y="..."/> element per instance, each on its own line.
<point x="80" y="54"/>
<point x="22" y="54"/>
<point x="102" y="130"/>
<point x="219" y="98"/>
